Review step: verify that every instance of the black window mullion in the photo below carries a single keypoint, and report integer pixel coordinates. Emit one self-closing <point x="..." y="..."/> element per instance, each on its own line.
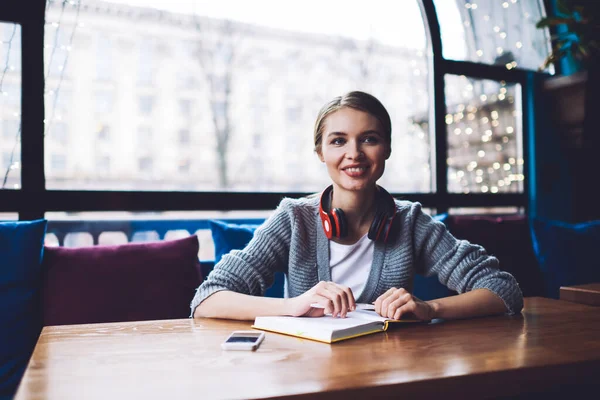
<point x="439" y="107"/>
<point x="484" y="71"/>
<point x="32" y="113"/>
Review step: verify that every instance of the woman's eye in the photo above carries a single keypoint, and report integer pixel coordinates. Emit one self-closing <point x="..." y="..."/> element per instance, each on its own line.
<point x="371" y="139"/>
<point x="337" y="141"/>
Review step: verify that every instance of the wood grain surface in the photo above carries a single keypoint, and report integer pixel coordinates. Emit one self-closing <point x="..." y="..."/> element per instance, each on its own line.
<point x="553" y="344"/>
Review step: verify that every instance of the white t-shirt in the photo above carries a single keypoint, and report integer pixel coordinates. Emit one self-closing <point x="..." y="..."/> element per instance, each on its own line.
<point x="350" y="264"/>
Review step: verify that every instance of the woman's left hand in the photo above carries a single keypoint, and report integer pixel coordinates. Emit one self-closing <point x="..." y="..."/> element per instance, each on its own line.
<point x="398" y="302"/>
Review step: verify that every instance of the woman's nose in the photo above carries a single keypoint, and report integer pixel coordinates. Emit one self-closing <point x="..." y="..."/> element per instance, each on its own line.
<point x="354" y="151"/>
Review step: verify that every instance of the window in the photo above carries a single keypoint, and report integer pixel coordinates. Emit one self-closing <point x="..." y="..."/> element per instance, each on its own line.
<point x="10" y="105"/>
<point x="257" y="80"/>
<point x="185" y="107"/>
<point x="103" y="165"/>
<point x="484" y="136"/>
<point x="103" y="132"/>
<point x="493" y="32"/>
<point x="59" y="132"/>
<point x="104" y="57"/>
<point x="368" y="51"/>
<point x="10" y="35"/>
<point x="59" y="36"/>
<point x="58" y="163"/>
<point x="184" y="136"/>
<point x="146" y="103"/>
<point x="145" y="164"/>
<point x="10" y="129"/>
<point x="103" y="102"/>
<point x="11" y="93"/>
<point x="184" y="166"/>
<point x="144" y="136"/>
<point x="145" y="72"/>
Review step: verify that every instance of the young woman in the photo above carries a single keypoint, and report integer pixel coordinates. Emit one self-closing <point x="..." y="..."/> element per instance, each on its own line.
<point x="354" y="243"/>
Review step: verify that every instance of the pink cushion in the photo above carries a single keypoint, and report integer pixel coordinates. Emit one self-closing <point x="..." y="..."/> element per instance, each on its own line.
<point x="131" y="282"/>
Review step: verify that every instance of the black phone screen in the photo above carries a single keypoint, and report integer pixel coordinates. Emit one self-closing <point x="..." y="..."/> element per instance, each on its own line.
<point x="242" y="339"/>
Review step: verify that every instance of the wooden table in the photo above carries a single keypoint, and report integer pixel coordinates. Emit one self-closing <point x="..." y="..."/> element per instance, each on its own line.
<point x="553" y="345"/>
<point x="585" y="294"/>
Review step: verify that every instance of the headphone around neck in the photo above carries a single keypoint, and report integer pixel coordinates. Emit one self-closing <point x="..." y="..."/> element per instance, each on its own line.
<point x="334" y="221"/>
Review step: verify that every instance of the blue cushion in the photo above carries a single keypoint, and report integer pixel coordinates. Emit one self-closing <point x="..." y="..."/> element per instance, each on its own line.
<point x="228" y="236"/>
<point x="567" y="253"/>
<point x="21" y="250"/>
<point x="429" y="287"/>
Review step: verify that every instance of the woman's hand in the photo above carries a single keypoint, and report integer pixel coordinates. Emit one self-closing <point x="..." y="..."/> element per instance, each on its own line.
<point x="335" y="299"/>
<point x="398" y="302"/>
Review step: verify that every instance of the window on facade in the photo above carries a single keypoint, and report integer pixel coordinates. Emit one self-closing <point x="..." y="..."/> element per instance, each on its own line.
<point x="145" y="104"/>
<point x="184" y="166"/>
<point x="146" y="164"/>
<point x="10" y="105"/>
<point x="59" y="132"/>
<point x="103" y="101"/>
<point x="58" y="35"/>
<point x="146" y="57"/>
<point x="58" y="163"/>
<point x="103" y="57"/>
<point x="144" y="136"/>
<point x="185" y="107"/>
<point x="103" y="164"/>
<point x="103" y="132"/>
<point x="184" y="136"/>
<point x="10" y="129"/>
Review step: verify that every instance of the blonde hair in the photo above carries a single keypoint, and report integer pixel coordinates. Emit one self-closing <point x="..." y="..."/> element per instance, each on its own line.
<point x="359" y="101"/>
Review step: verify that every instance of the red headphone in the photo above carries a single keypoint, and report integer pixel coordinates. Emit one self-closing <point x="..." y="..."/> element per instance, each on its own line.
<point x="334" y="221"/>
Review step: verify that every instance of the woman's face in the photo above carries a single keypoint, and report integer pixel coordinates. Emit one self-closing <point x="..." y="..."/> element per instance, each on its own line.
<point x="354" y="149"/>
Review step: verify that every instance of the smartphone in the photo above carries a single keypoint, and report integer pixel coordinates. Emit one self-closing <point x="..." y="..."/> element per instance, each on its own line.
<point x="243" y="340"/>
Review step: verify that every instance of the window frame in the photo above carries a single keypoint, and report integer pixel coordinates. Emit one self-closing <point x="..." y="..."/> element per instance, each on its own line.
<point x="33" y="200"/>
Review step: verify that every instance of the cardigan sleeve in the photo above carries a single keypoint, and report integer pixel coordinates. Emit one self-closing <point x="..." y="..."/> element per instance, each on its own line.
<point x="251" y="270"/>
<point x="459" y="264"/>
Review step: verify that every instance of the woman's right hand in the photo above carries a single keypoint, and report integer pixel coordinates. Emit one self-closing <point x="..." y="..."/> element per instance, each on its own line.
<point x="335" y="299"/>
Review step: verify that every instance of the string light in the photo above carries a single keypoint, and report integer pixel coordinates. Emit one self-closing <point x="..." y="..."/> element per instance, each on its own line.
<point x="487" y="174"/>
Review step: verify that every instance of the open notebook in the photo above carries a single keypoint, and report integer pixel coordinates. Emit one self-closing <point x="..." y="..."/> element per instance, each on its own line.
<point x="328" y="329"/>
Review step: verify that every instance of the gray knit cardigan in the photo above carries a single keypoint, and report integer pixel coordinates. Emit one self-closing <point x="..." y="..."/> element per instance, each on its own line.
<point x="292" y="241"/>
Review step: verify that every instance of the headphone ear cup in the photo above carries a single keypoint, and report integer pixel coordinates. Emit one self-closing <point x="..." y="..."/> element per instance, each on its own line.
<point x="375" y="226"/>
<point x="341" y="217"/>
<point x="387" y="231"/>
<point x="328" y="226"/>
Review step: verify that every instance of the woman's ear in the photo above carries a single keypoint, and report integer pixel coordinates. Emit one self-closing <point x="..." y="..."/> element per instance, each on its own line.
<point x="388" y="153"/>
<point x="320" y="154"/>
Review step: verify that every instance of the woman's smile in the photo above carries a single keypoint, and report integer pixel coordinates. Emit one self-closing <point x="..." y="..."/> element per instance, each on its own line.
<point x="355" y="171"/>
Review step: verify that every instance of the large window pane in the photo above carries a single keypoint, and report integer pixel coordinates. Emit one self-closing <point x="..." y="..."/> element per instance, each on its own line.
<point x="493" y="32"/>
<point x="484" y="136"/>
<point x="223" y="95"/>
<point x="10" y="106"/>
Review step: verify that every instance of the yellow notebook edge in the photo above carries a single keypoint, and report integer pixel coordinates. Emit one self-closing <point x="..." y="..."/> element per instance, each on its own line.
<point x="291" y="334"/>
<point x="320" y="340"/>
<point x="384" y="328"/>
<point x="360" y="334"/>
